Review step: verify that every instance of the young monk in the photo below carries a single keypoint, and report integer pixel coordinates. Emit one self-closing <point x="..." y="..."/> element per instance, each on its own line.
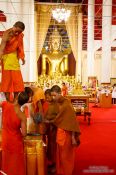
<point x="28" y="109"/>
<point x="64" y="89"/>
<point x="50" y="112"/>
<point x="35" y="162"/>
<point x="35" y="107"/>
<point x="13" y="130"/>
<point x="67" y="133"/>
<point x="11" y="50"/>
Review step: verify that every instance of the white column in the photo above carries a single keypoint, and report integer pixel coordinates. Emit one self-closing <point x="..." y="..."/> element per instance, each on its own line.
<point x="90" y="39"/>
<point x="106" y="41"/>
<point x="79" y="65"/>
<point x="29" y="70"/>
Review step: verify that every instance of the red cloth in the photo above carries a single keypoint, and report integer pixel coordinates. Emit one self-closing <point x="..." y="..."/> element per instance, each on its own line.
<point x="12" y="142"/>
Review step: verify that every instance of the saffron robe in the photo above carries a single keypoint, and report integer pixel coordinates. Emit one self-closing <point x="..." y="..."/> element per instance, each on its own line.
<point x="12" y="142"/>
<point x="66" y="117"/>
<point x="65" y="153"/>
<point x="66" y="123"/>
<point x="50" y="113"/>
<point x="12" y="80"/>
<point x="64" y="91"/>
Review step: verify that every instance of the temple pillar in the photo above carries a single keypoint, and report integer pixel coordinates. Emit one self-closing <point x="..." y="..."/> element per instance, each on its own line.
<point x="29" y="70"/>
<point x="90" y="39"/>
<point x="79" y="65"/>
<point x="106" y="41"/>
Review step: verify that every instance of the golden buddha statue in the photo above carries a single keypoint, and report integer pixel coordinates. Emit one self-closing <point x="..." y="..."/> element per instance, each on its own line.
<point x="55" y="42"/>
<point x="56" y="58"/>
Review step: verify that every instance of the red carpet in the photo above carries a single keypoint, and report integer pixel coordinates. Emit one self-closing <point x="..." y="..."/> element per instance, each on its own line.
<point x="97" y="152"/>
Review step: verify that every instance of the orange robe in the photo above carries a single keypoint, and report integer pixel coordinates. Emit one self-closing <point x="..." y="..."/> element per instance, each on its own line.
<point x="12" y="80"/>
<point x="12" y="142"/>
<point x="65" y="153"/>
<point x="38" y="96"/>
<point x="38" y="101"/>
<point x="66" y="124"/>
<point x="64" y="91"/>
<point x="50" y="111"/>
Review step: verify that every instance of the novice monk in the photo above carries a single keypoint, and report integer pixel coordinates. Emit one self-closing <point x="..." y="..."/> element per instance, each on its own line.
<point x="51" y="110"/>
<point x="11" y="50"/>
<point x="67" y="133"/>
<point x="35" y="162"/>
<point x="64" y="89"/>
<point x="13" y="130"/>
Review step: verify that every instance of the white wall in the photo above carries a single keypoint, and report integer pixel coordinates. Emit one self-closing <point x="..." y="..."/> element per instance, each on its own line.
<point x="97" y="70"/>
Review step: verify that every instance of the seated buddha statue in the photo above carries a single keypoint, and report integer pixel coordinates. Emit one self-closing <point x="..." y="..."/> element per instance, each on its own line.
<point x="55" y="57"/>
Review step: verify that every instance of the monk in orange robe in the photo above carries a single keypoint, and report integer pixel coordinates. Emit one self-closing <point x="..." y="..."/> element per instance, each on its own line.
<point x="67" y="133"/>
<point x="34" y="145"/>
<point x="51" y="110"/>
<point x="38" y="99"/>
<point x="13" y="130"/>
<point x="64" y="89"/>
<point x="11" y="50"/>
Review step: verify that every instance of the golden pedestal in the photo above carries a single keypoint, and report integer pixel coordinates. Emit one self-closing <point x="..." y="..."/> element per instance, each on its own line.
<point x="35" y="157"/>
<point x="106" y="100"/>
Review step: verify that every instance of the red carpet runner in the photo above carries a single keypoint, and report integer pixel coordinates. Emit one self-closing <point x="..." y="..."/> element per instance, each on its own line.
<point x="97" y="152"/>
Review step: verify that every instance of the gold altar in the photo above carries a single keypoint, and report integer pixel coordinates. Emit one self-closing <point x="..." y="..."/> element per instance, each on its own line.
<point x="35" y="157"/>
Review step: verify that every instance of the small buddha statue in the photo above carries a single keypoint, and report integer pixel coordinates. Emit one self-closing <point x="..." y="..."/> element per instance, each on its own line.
<point x="78" y="89"/>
